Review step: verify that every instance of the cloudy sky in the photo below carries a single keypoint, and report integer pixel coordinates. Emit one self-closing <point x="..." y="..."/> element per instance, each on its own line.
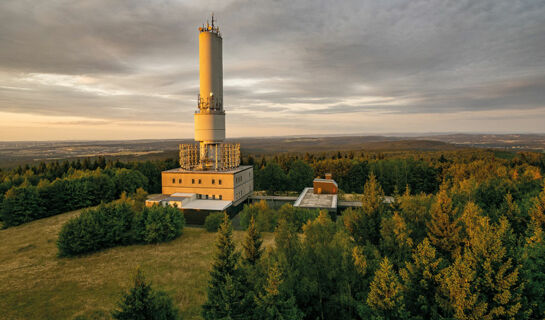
<point x="128" y="69"/>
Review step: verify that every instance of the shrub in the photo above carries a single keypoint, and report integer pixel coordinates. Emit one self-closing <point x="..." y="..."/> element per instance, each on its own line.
<point x="117" y="223"/>
<point x="162" y="224"/>
<point x="103" y="227"/>
<point x="213" y="221"/>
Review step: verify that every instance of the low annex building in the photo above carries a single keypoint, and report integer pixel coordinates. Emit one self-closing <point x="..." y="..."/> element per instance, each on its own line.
<point x="323" y="195"/>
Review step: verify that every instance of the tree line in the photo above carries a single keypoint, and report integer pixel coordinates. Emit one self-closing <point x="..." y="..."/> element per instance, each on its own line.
<point x="44" y="190"/>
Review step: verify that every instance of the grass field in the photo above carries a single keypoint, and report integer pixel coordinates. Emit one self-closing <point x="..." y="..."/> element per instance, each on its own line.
<point x="36" y="284"/>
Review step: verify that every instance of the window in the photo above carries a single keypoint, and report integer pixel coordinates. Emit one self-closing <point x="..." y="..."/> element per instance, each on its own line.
<point x="199" y="181"/>
<point x="206" y="196"/>
<point x="193" y="181"/>
<point x="180" y="181"/>
<point x="173" y="180"/>
<point x="219" y="181"/>
<point x="213" y="181"/>
<point x="221" y="197"/>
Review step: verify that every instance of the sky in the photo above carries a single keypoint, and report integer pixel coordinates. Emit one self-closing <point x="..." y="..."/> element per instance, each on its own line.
<point x="128" y="69"/>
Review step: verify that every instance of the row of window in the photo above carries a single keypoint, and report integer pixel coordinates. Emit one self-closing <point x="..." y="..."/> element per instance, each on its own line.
<point x="193" y="181"/>
<point x="212" y="196"/>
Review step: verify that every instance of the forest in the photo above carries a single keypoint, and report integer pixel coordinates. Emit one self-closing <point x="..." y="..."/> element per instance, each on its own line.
<point x="472" y="247"/>
<point x="462" y="240"/>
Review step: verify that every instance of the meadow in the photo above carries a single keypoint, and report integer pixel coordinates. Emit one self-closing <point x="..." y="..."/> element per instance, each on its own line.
<point x="36" y="284"/>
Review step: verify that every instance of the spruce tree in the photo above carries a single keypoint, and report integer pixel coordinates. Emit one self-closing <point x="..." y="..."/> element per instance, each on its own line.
<point x="497" y="282"/>
<point x="396" y="241"/>
<point x="386" y="293"/>
<point x="443" y="228"/>
<point x="225" y="292"/>
<point x="143" y="303"/>
<point x="252" y="244"/>
<point x="274" y="302"/>
<point x="363" y="224"/>
<point x="421" y="282"/>
<point x="537" y="213"/>
<point x="458" y="298"/>
<point x="250" y="266"/>
<point x="483" y="281"/>
<point x="534" y="272"/>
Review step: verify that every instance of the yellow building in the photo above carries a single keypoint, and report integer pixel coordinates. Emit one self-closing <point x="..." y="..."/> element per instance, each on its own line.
<point x="233" y="185"/>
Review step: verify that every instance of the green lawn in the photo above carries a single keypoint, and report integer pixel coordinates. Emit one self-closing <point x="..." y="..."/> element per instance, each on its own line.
<point x="36" y="284"/>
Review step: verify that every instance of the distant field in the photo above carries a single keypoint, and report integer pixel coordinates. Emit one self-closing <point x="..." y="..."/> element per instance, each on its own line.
<point x="16" y="153"/>
<point x="35" y="284"/>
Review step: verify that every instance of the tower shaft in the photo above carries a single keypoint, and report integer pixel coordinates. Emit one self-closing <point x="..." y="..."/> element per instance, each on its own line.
<point x="209" y="118"/>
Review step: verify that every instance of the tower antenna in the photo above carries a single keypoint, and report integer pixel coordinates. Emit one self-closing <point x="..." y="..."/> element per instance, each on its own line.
<point x="212" y="20"/>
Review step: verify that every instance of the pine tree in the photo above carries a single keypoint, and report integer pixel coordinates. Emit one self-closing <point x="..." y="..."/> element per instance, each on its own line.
<point x="420" y="281"/>
<point x="252" y="244"/>
<point x="143" y="303"/>
<point x="274" y="303"/>
<point x="225" y="292"/>
<point x="386" y="293"/>
<point x="443" y="229"/>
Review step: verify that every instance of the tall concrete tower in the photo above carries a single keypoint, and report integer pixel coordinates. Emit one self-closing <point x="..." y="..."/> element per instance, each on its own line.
<point x="210" y="176"/>
<point x="213" y="154"/>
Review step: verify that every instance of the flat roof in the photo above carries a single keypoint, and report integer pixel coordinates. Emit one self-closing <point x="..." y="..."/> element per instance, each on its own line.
<point x="201" y="204"/>
<point x="309" y="199"/>
<point x="182" y="194"/>
<point x="233" y="170"/>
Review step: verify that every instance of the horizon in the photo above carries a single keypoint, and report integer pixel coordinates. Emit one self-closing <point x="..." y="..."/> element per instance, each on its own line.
<point x="422" y="135"/>
<point x="129" y="71"/>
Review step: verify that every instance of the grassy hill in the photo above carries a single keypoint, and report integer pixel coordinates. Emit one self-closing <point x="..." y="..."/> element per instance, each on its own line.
<point x="36" y="284"/>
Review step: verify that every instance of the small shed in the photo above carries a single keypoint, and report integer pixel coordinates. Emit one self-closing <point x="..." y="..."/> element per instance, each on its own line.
<point x="325" y="186"/>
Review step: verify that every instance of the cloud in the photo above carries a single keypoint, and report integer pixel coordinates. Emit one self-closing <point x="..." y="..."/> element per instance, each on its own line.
<point x="137" y="59"/>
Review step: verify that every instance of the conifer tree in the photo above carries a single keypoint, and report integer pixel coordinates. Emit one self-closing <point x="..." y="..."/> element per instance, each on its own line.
<point x="458" y="298"/>
<point x="143" y="303"/>
<point x="396" y="241"/>
<point x="386" y="293"/>
<point x="537" y="213"/>
<point x="373" y="196"/>
<point x="443" y="229"/>
<point x="498" y="281"/>
<point x="420" y="280"/>
<point x="226" y="297"/>
<point x="252" y="244"/>
<point x="363" y="225"/>
<point x="534" y="273"/>
<point x="251" y="268"/>
<point x="511" y="211"/>
<point x="484" y="281"/>
<point x="274" y="303"/>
